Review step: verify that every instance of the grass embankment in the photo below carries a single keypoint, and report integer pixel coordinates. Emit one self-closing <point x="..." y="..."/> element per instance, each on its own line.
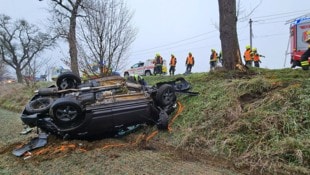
<point x="259" y="121"/>
<point x="15" y="96"/>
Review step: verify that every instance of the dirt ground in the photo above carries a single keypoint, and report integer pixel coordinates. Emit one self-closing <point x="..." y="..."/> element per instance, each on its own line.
<point x="126" y="155"/>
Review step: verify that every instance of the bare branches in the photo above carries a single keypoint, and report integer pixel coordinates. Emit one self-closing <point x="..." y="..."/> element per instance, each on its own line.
<point x="20" y="43"/>
<point x="247" y="15"/>
<point x="68" y="10"/>
<point x="106" y="32"/>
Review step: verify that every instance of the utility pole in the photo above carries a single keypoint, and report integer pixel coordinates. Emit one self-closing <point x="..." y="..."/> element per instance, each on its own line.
<point x="251" y="33"/>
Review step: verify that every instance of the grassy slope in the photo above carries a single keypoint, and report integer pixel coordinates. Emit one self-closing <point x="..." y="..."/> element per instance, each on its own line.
<point x="259" y="120"/>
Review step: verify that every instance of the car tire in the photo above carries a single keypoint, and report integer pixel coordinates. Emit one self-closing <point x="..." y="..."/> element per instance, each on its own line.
<point x="39" y="105"/>
<point x="68" y="80"/>
<point x="163" y="121"/>
<point x="165" y="95"/>
<point x="148" y="73"/>
<point x="67" y="112"/>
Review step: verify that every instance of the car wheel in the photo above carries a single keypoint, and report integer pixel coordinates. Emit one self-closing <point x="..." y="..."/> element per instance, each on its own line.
<point x="165" y="95"/>
<point x="39" y="105"/>
<point x="67" y="112"/>
<point x="163" y="121"/>
<point x="126" y="74"/>
<point x="148" y="73"/>
<point x="68" y="80"/>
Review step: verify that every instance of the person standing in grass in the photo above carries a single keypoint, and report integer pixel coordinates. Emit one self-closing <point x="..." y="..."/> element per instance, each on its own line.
<point x="173" y="62"/>
<point x="190" y="62"/>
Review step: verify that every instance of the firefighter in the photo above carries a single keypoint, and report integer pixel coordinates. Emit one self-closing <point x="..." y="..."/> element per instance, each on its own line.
<point x="190" y="62"/>
<point x="256" y="57"/>
<point x="305" y="56"/>
<point x="158" y="62"/>
<point x="247" y="56"/>
<point x="213" y="59"/>
<point x="173" y="62"/>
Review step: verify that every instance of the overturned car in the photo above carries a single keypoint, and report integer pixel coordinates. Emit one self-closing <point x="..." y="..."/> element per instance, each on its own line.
<point x="101" y="107"/>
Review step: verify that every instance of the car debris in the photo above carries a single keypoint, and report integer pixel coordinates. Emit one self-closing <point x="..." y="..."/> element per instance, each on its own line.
<point x="107" y="106"/>
<point x="34" y="143"/>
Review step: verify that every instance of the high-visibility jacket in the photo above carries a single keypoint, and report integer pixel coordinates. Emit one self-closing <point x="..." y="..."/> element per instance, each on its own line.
<point x="305" y="59"/>
<point x="158" y="60"/>
<point x="173" y="61"/>
<point x="190" y="60"/>
<point x="247" y="55"/>
<point x="213" y="57"/>
<point x="256" y="57"/>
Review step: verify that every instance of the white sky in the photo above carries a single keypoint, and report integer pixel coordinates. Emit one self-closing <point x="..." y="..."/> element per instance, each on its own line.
<point x="182" y="26"/>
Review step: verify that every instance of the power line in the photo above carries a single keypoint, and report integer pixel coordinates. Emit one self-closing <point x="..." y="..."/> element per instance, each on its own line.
<point x="173" y="43"/>
<point x="176" y="44"/>
<point x="279" y="14"/>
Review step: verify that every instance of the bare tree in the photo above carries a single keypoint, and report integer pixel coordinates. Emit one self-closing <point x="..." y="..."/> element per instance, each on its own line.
<point x="20" y="43"/>
<point x="106" y="33"/>
<point x="68" y="10"/>
<point x="3" y="70"/>
<point x="228" y="35"/>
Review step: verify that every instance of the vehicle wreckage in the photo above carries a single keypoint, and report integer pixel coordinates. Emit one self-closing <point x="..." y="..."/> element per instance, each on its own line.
<point x="100" y="107"/>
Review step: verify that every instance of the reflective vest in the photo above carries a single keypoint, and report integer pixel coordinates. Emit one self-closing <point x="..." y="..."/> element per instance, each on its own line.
<point x="256" y="57"/>
<point x="213" y="57"/>
<point x="137" y="77"/>
<point x="190" y="60"/>
<point x="158" y="60"/>
<point x="247" y="55"/>
<point x="173" y="61"/>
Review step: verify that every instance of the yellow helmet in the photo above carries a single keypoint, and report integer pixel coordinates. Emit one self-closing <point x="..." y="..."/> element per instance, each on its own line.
<point x="247" y="46"/>
<point x="212" y="50"/>
<point x="189" y="53"/>
<point x="157" y="54"/>
<point x="172" y="55"/>
<point x="254" y="49"/>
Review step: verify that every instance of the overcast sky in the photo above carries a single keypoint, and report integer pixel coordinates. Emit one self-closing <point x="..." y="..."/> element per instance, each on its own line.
<point x="181" y="26"/>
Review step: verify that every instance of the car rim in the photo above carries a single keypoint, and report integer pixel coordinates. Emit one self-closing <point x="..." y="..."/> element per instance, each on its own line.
<point x="168" y="96"/>
<point x="66" y="84"/>
<point x="66" y="113"/>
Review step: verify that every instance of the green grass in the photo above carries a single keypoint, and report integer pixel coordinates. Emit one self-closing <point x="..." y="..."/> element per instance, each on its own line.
<point x="15" y="96"/>
<point x="259" y="120"/>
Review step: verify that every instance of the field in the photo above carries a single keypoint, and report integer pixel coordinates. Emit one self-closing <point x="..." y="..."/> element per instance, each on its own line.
<point x="127" y="155"/>
<point x="241" y="123"/>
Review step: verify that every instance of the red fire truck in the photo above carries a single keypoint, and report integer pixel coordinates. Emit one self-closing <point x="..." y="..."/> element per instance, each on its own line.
<point x="299" y="32"/>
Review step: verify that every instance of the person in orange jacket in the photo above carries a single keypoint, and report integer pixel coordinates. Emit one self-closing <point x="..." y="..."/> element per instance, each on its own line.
<point x="256" y="57"/>
<point x="173" y="62"/>
<point x="158" y="63"/>
<point x="190" y="62"/>
<point x="247" y="56"/>
<point x="213" y="59"/>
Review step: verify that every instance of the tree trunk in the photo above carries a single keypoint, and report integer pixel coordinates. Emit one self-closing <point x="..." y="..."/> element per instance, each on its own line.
<point x="228" y="35"/>
<point x="72" y="46"/>
<point x="19" y="75"/>
<point x="72" y="39"/>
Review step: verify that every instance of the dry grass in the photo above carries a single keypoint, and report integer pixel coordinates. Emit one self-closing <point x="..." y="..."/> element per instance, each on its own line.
<point x="258" y="120"/>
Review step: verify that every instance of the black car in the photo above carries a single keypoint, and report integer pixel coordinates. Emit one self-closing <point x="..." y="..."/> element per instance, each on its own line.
<point x="102" y="106"/>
